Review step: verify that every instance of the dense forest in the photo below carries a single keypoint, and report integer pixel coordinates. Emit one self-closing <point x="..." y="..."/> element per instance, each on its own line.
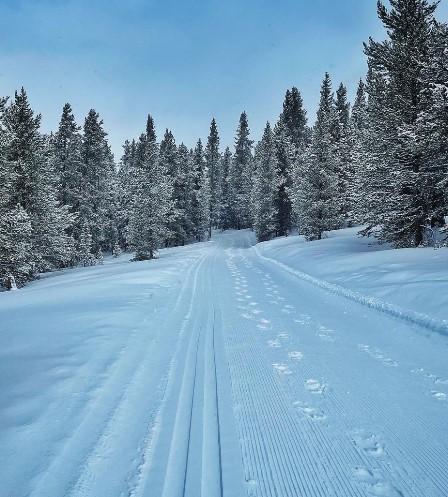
<point x="380" y="163"/>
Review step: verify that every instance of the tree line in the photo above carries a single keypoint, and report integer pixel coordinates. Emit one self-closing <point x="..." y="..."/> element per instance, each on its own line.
<point x="381" y="163"/>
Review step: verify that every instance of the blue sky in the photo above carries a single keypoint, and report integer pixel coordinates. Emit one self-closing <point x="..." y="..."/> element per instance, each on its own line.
<point x="182" y="61"/>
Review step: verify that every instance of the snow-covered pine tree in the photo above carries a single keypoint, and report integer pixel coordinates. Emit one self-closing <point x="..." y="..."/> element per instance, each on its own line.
<point x="213" y="162"/>
<point x="315" y="193"/>
<point x="200" y="210"/>
<point x="66" y="158"/>
<point x="358" y="129"/>
<point x="151" y="198"/>
<point x="15" y="225"/>
<point x="432" y="132"/>
<point x="290" y="139"/>
<point x="170" y="165"/>
<point x="97" y="184"/>
<point x="240" y="177"/>
<point x="225" y="221"/>
<point x="125" y="193"/>
<point x="32" y="192"/>
<point x="265" y="187"/>
<point x="342" y="154"/>
<point x="185" y="195"/>
<point x="398" y="197"/>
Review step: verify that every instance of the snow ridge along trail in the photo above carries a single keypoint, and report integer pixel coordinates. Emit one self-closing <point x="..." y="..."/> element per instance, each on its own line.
<point x="215" y="372"/>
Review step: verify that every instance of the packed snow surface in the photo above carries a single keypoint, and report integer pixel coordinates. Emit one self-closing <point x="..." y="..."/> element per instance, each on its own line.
<point x="221" y="369"/>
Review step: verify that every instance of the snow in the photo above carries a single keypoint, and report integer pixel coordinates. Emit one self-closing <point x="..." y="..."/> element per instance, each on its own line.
<point x="221" y="369"/>
<point x="412" y="280"/>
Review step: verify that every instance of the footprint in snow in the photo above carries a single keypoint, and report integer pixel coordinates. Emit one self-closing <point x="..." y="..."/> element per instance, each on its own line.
<point x="439" y="395"/>
<point x="369" y="443"/>
<point x="376" y="486"/>
<point x="283" y="336"/>
<point x="247" y="316"/>
<point x="315" y="386"/>
<point x="310" y="412"/>
<point x="282" y="369"/>
<point x="296" y="355"/>
<point x="274" y="344"/>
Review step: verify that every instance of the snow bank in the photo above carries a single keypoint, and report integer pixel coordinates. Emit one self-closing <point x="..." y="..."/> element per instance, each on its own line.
<point x="411" y="284"/>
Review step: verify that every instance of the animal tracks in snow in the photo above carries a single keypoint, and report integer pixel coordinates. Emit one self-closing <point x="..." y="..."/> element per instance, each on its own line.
<point x="315" y="386"/>
<point x="368" y="443"/>
<point x="375" y="485"/>
<point x="310" y="412"/>
<point x="296" y="355"/>
<point x="282" y="369"/>
<point x="378" y="355"/>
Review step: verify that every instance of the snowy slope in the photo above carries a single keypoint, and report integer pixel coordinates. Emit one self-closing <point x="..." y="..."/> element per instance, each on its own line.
<point x="415" y="279"/>
<point x="213" y="372"/>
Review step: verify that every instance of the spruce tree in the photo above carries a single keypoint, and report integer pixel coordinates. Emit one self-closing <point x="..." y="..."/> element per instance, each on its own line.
<point x="212" y="161"/>
<point x="290" y="137"/>
<point x="342" y="154"/>
<point x="240" y="177"/>
<point x="33" y="193"/>
<point x="225" y="219"/>
<point x="400" y="203"/>
<point x="98" y="176"/>
<point x="265" y="188"/>
<point x="151" y="198"/>
<point x="202" y="194"/>
<point x="315" y="193"/>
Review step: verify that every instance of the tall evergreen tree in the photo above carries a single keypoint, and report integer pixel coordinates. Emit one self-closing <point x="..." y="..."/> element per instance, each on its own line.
<point x="400" y="197"/>
<point x="342" y="154"/>
<point x="169" y="161"/>
<point x="315" y="193"/>
<point x="265" y="190"/>
<point x="358" y="130"/>
<point x="33" y="193"/>
<point x="151" y="198"/>
<point x="212" y="161"/>
<point x="225" y="221"/>
<point x="290" y="139"/>
<point x="240" y="177"/>
<point x="98" y="181"/>
<point x="202" y="194"/>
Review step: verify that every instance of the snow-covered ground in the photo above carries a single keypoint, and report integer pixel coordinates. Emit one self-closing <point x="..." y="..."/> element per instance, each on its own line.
<point x="224" y="370"/>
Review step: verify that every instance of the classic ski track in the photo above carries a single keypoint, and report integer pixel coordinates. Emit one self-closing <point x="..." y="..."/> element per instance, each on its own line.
<point x="412" y="488"/>
<point x="200" y="324"/>
<point x="139" y="480"/>
<point x="79" y="485"/>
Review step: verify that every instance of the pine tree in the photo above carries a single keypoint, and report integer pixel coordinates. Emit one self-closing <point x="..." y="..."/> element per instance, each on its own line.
<point x="151" y="200"/>
<point x="315" y="193"/>
<point x="432" y="129"/>
<point x="212" y="161"/>
<point x="202" y="194"/>
<point x="291" y="137"/>
<point x="398" y="198"/>
<point x="32" y="189"/>
<point x="342" y="154"/>
<point x="240" y="177"/>
<point x="66" y="158"/>
<point x="16" y="265"/>
<point x="98" y="176"/>
<point x="225" y="219"/>
<point x="170" y="165"/>
<point x="125" y="194"/>
<point x="358" y="130"/>
<point x="265" y="190"/>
